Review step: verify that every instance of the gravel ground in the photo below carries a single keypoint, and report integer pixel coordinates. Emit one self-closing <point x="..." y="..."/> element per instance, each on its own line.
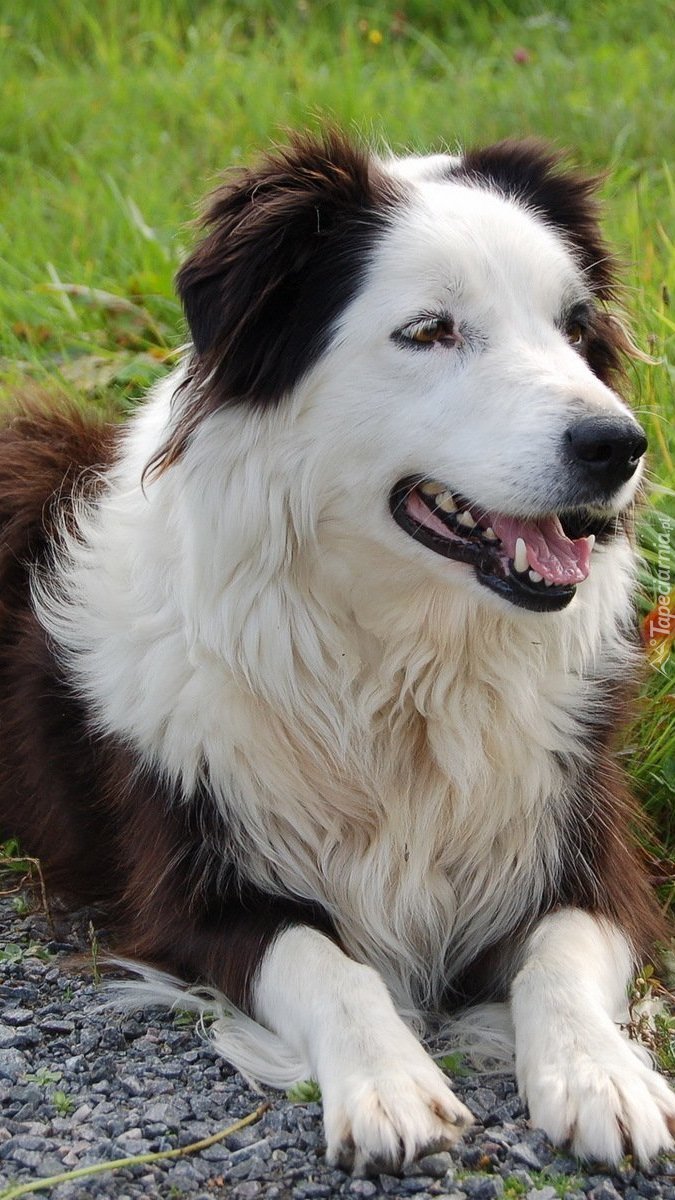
<point x="79" y="1086"/>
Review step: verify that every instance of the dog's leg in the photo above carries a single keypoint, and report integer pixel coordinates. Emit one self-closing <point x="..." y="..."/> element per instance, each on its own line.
<point x="385" y="1100"/>
<point x="584" y="1082"/>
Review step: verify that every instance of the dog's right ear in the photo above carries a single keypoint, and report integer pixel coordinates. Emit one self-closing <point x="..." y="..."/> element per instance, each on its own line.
<point x="287" y="245"/>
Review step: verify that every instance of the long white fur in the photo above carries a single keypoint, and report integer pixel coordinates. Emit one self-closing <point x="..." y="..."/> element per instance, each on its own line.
<point x="583" y="1080"/>
<point x="383" y="733"/>
<point x="380" y="1089"/>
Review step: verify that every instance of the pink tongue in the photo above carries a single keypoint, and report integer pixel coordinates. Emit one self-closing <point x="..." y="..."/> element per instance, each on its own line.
<point x="549" y="552"/>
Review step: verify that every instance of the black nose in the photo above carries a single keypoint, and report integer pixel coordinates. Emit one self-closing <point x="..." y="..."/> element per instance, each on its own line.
<point x="606" y="449"/>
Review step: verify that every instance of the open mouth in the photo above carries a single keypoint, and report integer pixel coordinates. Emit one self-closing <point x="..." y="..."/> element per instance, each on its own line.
<point x="535" y="564"/>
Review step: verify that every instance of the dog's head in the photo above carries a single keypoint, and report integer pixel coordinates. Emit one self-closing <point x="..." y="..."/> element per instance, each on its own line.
<point x="437" y="330"/>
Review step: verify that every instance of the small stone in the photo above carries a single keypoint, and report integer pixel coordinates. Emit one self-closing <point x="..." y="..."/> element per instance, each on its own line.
<point x="503" y="1136"/>
<point x="484" y="1187"/>
<point x="17" y="1039"/>
<point x="51" y="1025"/>
<point x="133" y="1145"/>
<point x="362" y="1187"/>
<point x="525" y="1154"/>
<point x="246" y="1190"/>
<point x="513" y="1107"/>
<point x="13" y="1064"/>
<point x="242" y="1138"/>
<point x="606" y="1191"/>
<point x="471" y="1156"/>
<point x="646" y="1187"/>
<point x="22" y="1141"/>
<point x="415" y="1184"/>
<point x="565" y="1165"/>
<point x="81" y="1114"/>
<point x="17" y="1016"/>
<point x="482" y="1102"/>
<point x="436" y="1165"/>
<point x="545" y="1193"/>
<point x="162" y="1113"/>
<point x="16" y="992"/>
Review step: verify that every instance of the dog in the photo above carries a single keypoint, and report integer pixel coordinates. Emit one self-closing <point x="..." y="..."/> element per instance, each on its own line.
<point x="311" y="671"/>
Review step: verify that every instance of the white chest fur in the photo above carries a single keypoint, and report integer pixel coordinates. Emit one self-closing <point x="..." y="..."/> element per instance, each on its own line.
<point x="386" y="746"/>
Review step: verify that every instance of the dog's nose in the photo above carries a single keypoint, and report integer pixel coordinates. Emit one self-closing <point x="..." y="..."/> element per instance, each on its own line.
<point x="607" y="449"/>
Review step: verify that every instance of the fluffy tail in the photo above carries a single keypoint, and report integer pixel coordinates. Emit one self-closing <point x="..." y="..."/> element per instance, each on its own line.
<point x="258" y="1054"/>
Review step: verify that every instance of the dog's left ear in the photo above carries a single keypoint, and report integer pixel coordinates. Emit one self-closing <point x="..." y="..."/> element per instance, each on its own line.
<point x="287" y="245"/>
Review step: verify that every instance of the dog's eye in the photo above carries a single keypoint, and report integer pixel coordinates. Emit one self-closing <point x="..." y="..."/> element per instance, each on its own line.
<point x="575" y="333"/>
<point x="576" y="329"/>
<point x="428" y="331"/>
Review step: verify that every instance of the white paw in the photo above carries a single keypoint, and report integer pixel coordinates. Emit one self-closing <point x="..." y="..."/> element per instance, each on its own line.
<point x="381" y="1119"/>
<point x="593" y="1092"/>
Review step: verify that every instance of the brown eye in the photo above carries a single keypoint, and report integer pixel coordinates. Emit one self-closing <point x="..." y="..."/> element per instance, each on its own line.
<point x="427" y="331"/>
<point x="575" y="333"/>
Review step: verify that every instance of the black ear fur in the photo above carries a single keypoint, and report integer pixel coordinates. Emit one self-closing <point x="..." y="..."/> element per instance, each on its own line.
<point x="537" y="175"/>
<point x="287" y="245"/>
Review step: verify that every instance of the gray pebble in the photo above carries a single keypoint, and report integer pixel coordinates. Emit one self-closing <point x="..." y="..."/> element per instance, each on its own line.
<point x="19" y="1039"/>
<point x="246" y="1191"/>
<point x="646" y="1187"/>
<point x="605" y="1191"/>
<point x="17" y="1016"/>
<point x="483" y="1187"/>
<point x="523" y="1153"/>
<point x="12" y="1064"/>
<point x="436" y="1165"/>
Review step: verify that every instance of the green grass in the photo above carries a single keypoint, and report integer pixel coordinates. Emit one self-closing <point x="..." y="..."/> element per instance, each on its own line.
<point x="115" y="119"/>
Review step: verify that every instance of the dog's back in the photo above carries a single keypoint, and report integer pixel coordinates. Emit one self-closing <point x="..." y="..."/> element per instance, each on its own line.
<point x="46" y="780"/>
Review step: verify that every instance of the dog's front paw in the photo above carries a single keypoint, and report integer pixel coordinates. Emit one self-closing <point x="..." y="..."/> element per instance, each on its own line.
<point x="599" y="1097"/>
<point x="381" y="1120"/>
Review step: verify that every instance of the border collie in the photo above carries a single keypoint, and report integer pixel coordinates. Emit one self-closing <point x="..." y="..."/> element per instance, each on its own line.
<point x="310" y="673"/>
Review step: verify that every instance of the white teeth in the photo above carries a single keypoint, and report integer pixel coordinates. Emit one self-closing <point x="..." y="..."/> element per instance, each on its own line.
<point x="591" y="541"/>
<point x="548" y="582"/>
<point x="431" y="489"/>
<point x="490" y="534"/>
<point x="445" y="501"/>
<point x="520" y="559"/>
<point x="466" y="520"/>
<point x="536" y="577"/>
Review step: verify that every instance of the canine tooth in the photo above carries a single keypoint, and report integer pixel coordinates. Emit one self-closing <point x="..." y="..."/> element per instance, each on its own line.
<point x="490" y="534"/>
<point x="536" y="577"/>
<point x="466" y="519"/>
<point x="445" y="501"/>
<point x="548" y="582"/>
<point x="432" y="489"/>
<point x="520" y="559"/>
<point x="591" y="541"/>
